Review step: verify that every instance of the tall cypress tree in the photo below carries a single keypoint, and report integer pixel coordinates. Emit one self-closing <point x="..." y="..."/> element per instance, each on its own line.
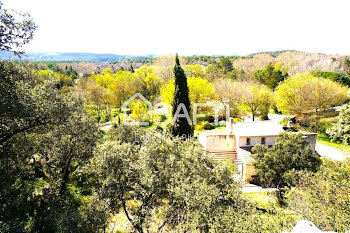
<point x="132" y="69"/>
<point x="181" y="126"/>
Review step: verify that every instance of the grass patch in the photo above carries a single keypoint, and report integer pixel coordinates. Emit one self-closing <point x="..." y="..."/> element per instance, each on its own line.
<point x="324" y="139"/>
<point x="217" y="129"/>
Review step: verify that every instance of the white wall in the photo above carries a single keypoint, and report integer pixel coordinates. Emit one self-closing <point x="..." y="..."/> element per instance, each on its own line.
<point x="220" y="143"/>
<point x="269" y="141"/>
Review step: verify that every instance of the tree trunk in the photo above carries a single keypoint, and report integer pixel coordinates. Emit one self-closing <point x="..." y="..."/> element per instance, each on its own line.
<point x="317" y="119"/>
<point x="65" y="176"/>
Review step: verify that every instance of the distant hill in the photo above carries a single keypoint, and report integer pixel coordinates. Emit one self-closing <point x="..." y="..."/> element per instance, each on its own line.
<point x="271" y="53"/>
<point x="64" y="57"/>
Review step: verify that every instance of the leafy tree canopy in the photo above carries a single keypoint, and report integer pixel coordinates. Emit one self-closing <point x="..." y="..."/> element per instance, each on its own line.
<point x="16" y="30"/>
<point x="257" y="97"/>
<point x="271" y="75"/>
<point x="326" y="192"/>
<point x="275" y="166"/>
<point x="341" y="130"/>
<point x="200" y="90"/>
<point x="304" y="93"/>
<point x="169" y="181"/>
<point x="46" y="136"/>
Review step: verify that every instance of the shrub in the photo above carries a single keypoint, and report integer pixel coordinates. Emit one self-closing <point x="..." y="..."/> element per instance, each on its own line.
<point x="209" y="126"/>
<point x="275" y="166"/>
<point x="204" y="125"/>
<point x="324" y="197"/>
<point x="341" y="130"/>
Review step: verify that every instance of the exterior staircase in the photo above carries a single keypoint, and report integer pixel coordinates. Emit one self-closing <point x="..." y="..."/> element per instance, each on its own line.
<point x="222" y="155"/>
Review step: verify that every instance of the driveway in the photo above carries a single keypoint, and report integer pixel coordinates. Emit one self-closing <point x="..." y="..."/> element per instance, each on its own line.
<point x="331" y="152"/>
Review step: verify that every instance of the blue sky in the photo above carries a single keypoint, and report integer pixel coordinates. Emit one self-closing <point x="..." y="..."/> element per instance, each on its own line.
<point x="138" y="27"/>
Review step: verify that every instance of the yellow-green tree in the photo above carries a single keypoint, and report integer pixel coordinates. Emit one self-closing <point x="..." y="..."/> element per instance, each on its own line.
<point x="153" y="84"/>
<point x="99" y="100"/>
<point x="122" y="88"/>
<point x="200" y="90"/>
<point x="230" y="94"/>
<point x="195" y="70"/>
<point x="106" y="79"/>
<point x="64" y="80"/>
<point x="139" y="110"/>
<point x="257" y="97"/>
<point x="305" y="93"/>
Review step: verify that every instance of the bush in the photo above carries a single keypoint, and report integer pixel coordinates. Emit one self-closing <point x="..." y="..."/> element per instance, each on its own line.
<point x="275" y="166"/>
<point x="325" y="124"/>
<point x="324" y="197"/>
<point x="114" y="112"/>
<point x="305" y="122"/>
<point x="204" y="125"/>
<point x="341" y="130"/>
<point x="209" y="126"/>
<point x="284" y="121"/>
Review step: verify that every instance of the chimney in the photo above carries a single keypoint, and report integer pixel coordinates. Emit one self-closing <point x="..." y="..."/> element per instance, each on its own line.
<point x="229" y="125"/>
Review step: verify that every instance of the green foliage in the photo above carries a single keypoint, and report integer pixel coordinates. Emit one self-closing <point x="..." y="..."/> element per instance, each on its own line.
<point x="271" y="75"/>
<point x="153" y="84"/>
<point x="341" y="130"/>
<point x="222" y="69"/>
<point x="171" y="184"/>
<point x="200" y="90"/>
<point x="304" y="93"/>
<point x="276" y="166"/>
<point x="226" y="64"/>
<point x="106" y="90"/>
<point x="194" y="70"/>
<point x="204" y="125"/>
<point x="45" y="137"/>
<point x="326" y="124"/>
<point x="325" y="139"/>
<point x="16" y="30"/>
<point x="346" y="66"/>
<point x="64" y="80"/>
<point x="181" y="127"/>
<point x="334" y="76"/>
<point x="257" y="98"/>
<point x="139" y="111"/>
<point x="324" y="197"/>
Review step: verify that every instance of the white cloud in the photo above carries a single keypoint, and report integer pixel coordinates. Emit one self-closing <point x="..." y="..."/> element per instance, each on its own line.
<point x="187" y="27"/>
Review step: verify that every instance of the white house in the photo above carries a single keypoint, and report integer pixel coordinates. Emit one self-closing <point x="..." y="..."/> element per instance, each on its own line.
<point x="236" y="143"/>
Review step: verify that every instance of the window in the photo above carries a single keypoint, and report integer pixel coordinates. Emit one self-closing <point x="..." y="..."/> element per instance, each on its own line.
<point x="263" y="141"/>
<point x="248" y="141"/>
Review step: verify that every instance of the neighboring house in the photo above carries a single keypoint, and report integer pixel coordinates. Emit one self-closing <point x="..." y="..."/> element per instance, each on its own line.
<point x="236" y="143"/>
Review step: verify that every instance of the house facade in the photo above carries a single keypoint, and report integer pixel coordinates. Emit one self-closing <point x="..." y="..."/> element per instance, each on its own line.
<point x="237" y="142"/>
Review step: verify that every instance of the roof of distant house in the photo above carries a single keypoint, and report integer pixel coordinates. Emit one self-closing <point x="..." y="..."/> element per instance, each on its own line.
<point x="260" y="128"/>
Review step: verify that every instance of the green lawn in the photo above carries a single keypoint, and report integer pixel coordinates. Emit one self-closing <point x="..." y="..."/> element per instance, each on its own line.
<point x="216" y="130"/>
<point x="324" y="139"/>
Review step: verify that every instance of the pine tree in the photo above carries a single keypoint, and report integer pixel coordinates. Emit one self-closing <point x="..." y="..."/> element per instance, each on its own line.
<point x="132" y="69"/>
<point x="181" y="126"/>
